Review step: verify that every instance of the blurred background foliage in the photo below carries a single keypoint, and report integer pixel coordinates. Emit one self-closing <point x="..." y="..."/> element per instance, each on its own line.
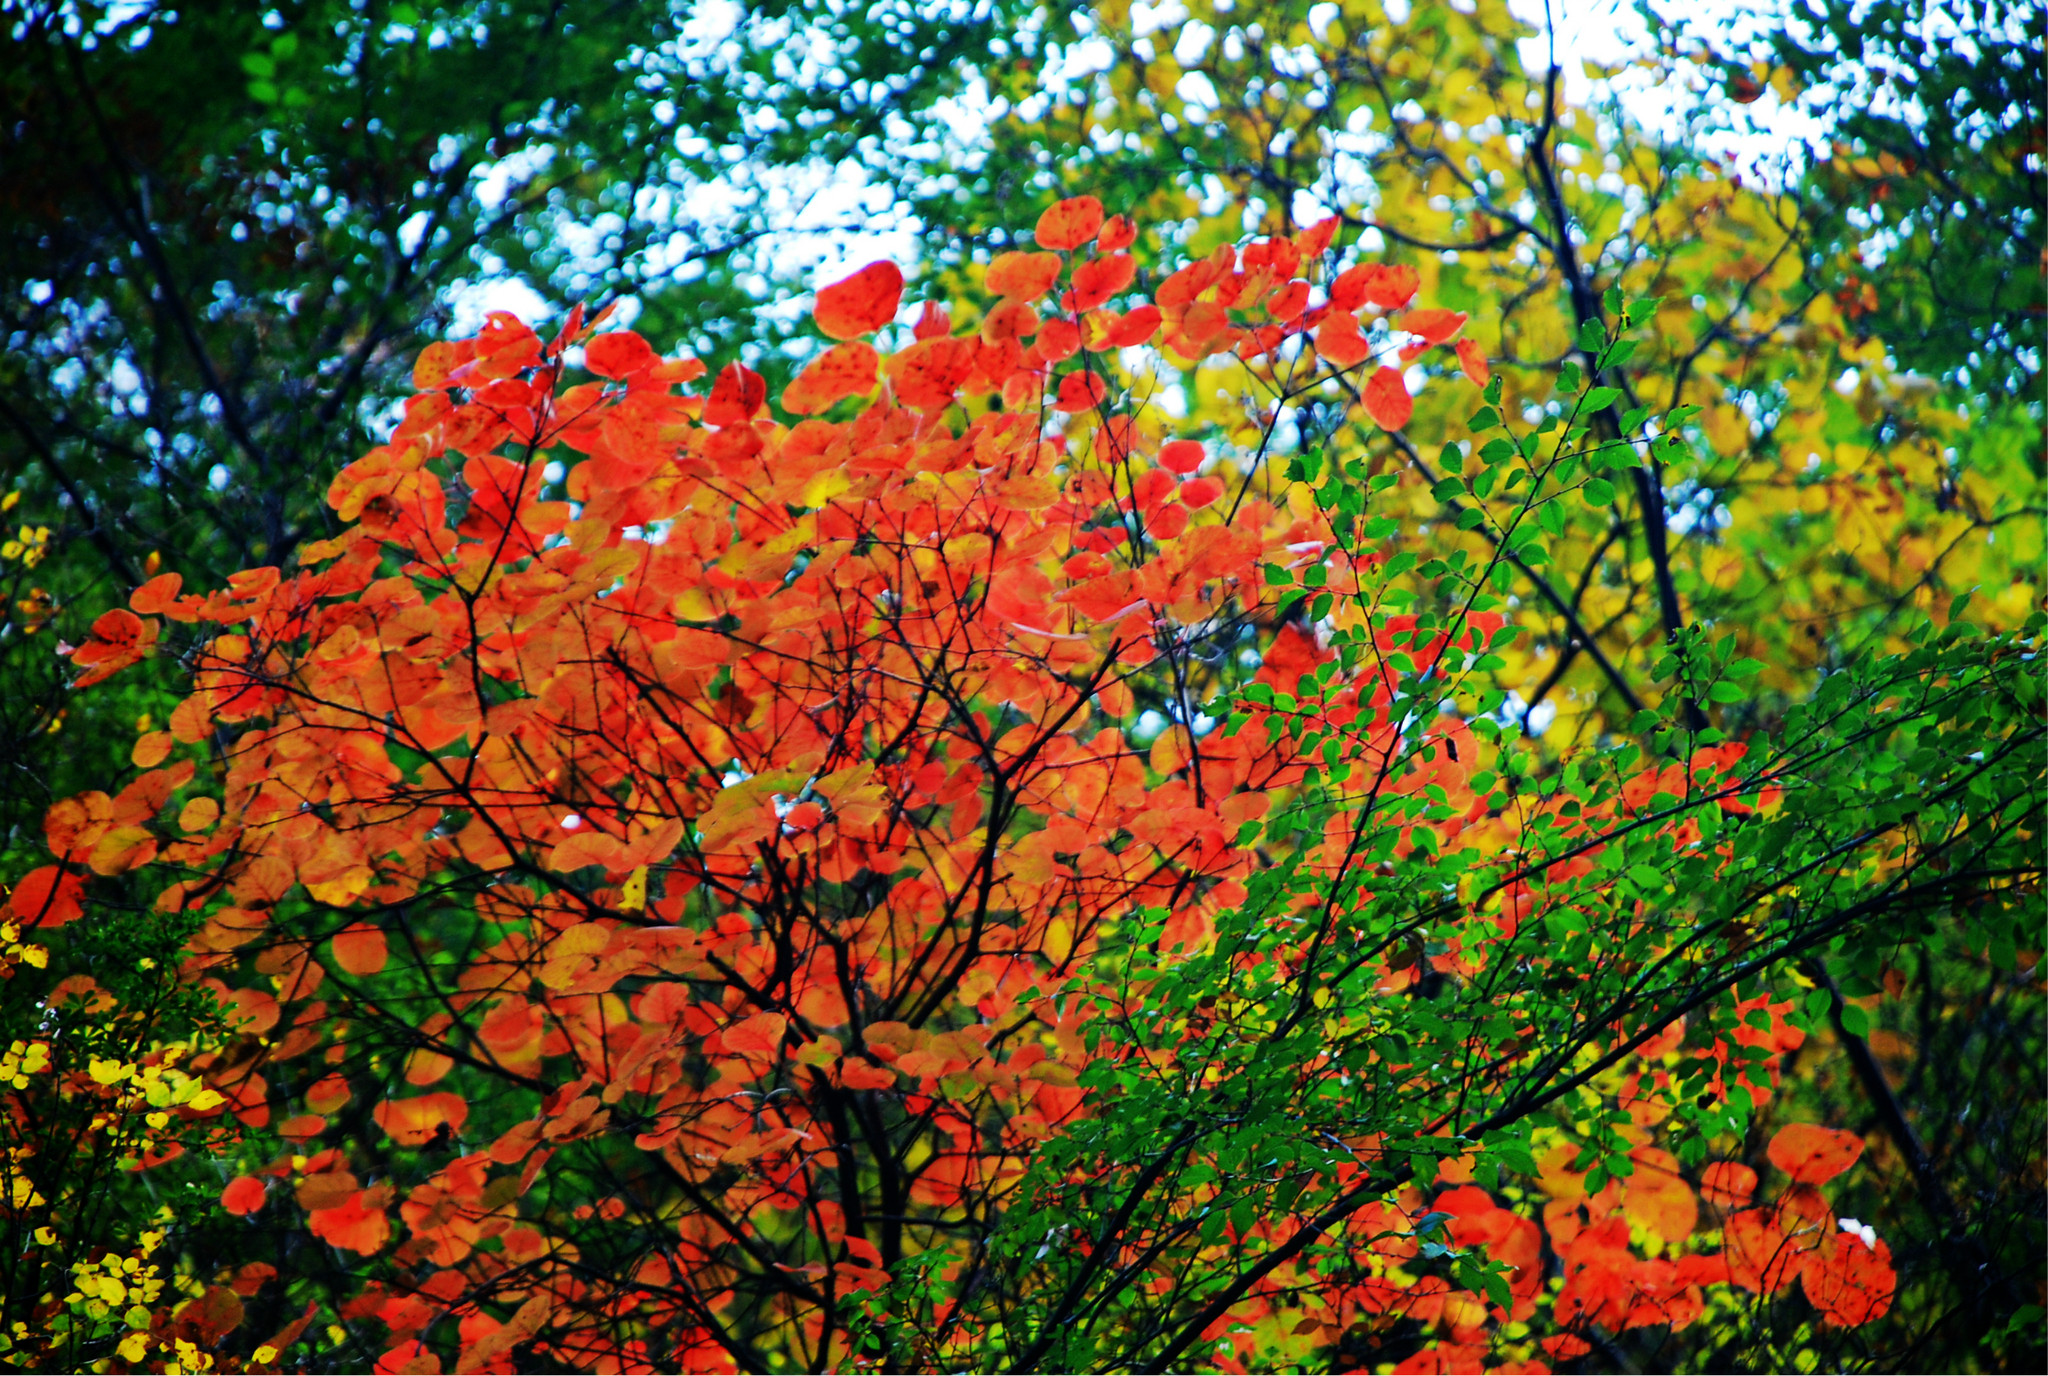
<point x="226" y="230"/>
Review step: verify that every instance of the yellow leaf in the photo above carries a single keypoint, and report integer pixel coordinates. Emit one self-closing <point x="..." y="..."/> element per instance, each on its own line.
<point x="633" y="897"/>
<point x="1059" y="941"/>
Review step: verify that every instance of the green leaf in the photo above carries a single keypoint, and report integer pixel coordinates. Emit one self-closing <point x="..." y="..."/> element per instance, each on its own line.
<point x="1600" y="398"/>
<point x="1598" y="492"/>
<point x="257" y="65"/>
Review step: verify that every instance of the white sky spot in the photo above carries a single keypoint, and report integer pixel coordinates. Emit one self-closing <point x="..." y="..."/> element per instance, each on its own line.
<point x="825" y="221"/>
<point x="1610" y="33"/>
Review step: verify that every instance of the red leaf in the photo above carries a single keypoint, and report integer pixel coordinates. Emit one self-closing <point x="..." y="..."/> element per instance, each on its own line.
<point x="1181" y="456"/>
<point x="1199" y="492"/>
<point x="1850" y="1282"/>
<point x="1080" y="391"/>
<point x="619" y="355"/>
<point x="1070" y="224"/>
<point x="1811" y="1154"/>
<point x="1761" y="1258"/>
<point x="1387" y="400"/>
<point x="1098" y="279"/>
<point x="1374" y="284"/>
<point x="861" y="304"/>
<point x="243" y="1195"/>
<point x="47" y="897"/>
<point x="1313" y="240"/>
<point x="1170" y="522"/>
<point x="739" y="393"/>
<point x="1137" y="326"/>
<point x="1118" y="232"/>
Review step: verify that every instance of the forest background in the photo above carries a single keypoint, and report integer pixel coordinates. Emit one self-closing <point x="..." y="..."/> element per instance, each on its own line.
<point x="228" y="234"/>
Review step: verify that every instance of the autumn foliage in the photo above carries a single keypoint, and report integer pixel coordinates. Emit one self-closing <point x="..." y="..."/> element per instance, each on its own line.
<point x="684" y="870"/>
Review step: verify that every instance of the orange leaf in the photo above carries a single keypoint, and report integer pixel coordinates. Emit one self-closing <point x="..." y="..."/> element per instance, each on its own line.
<point x="352" y="1225"/>
<point x="413" y="1122"/>
<point x="1070" y="224"/>
<point x="844" y="370"/>
<point x="1728" y="1184"/>
<point x="438" y="362"/>
<point x="1118" y="232"/>
<point x="153" y="597"/>
<point x="760" y="1034"/>
<point x="1387" y="400"/>
<point x="360" y="950"/>
<point x="1472" y="359"/>
<point x="1199" y="492"/>
<point x="1433" y="324"/>
<point x="121" y="850"/>
<point x="1811" y="1154"/>
<point x="1338" y="341"/>
<point x="1658" y="1198"/>
<point x="860" y="304"/>
<point x="1022" y="276"/>
<point x="927" y="374"/>
<point x="856" y="1073"/>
